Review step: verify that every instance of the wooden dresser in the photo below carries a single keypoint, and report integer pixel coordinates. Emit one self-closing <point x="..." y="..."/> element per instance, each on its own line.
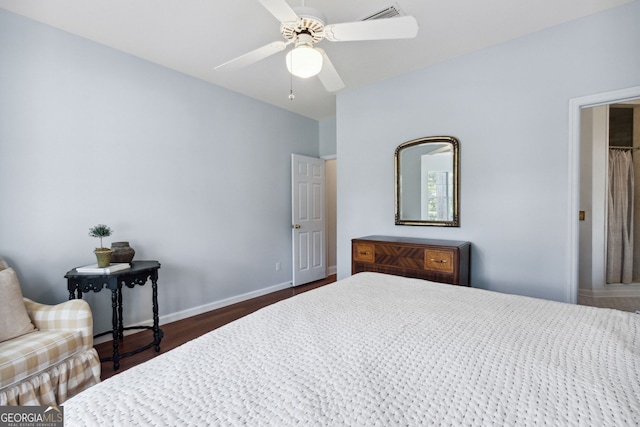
<point x="445" y="261"/>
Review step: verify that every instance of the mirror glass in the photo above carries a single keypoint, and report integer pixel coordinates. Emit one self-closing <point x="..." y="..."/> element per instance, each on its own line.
<point x="427" y="177"/>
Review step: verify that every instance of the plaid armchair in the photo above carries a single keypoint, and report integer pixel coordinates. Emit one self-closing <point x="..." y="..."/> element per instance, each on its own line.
<point x="54" y="361"/>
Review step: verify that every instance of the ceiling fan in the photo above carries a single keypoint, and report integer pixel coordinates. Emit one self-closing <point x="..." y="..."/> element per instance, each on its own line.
<point x="304" y="27"/>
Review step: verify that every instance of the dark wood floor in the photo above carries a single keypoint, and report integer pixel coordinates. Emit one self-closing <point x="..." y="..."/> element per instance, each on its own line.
<point x="178" y="333"/>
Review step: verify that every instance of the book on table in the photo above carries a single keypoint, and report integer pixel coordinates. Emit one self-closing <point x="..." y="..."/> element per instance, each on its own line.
<point x="93" y="268"/>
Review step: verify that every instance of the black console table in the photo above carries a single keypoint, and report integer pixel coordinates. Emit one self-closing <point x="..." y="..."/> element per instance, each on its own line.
<point x="139" y="273"/>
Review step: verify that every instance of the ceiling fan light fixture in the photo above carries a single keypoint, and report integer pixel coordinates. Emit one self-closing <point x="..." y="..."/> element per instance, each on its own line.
<point x="304" y="61"/>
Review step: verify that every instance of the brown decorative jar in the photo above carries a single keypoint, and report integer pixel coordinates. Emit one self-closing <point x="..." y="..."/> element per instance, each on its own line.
<point x="122" y="252"/>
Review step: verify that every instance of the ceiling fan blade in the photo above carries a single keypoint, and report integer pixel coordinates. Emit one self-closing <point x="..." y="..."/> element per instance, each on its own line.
<point x="328" y="75"/>
<point x="280" y="9"/>
<point x="253" y="56"/>
<point x="403" y="27"/>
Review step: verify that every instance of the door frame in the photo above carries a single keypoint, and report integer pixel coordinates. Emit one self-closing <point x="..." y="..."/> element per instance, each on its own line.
<point x="575" y="104"/>
<point x="330" y="201"/>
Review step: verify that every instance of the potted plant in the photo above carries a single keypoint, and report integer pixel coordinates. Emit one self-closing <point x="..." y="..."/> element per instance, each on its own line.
<point x="102" y="254"/>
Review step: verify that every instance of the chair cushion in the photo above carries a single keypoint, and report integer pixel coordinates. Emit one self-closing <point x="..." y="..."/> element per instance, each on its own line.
<point x="29" y="354"/>
<point x="14" y="320"/>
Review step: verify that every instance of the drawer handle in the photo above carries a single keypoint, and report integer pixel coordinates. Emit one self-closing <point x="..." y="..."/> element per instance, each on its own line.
<point x="441" y="261"/>
<point x="364" y="253"/>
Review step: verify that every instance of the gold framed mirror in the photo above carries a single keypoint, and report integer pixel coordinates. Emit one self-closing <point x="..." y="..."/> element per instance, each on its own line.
<point x="427" y="176"/>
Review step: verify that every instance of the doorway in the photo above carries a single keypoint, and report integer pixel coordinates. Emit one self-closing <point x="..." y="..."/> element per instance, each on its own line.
<point x="309" y="223"/>
<point x="602" y="143"/>
<point x="330" y="189"/>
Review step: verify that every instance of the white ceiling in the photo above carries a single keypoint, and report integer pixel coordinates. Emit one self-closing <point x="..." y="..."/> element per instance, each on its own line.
<point x="193" y="36"/>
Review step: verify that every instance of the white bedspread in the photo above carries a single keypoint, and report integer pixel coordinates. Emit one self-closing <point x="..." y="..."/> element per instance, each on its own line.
<point x="380" y="350"/>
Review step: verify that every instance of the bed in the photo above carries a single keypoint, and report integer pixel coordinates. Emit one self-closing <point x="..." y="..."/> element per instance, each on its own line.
<point x="376" y="349"/>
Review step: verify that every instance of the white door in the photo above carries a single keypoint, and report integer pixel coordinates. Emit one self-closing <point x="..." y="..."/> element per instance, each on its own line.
<point x="308" y="219"/>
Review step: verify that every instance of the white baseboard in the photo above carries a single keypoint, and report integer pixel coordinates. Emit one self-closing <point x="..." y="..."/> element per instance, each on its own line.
<point x="174" y="317"/>
<point x="332" y="269"/>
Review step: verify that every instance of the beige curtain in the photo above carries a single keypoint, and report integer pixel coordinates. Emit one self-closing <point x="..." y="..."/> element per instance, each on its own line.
<point x="620" y="217"/>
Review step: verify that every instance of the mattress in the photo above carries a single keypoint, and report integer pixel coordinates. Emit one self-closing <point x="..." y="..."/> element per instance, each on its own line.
<point x="381" y="350"/>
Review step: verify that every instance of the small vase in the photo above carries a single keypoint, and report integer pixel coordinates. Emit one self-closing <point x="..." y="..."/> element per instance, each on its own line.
<point x="122" y="252"/>
<point x="104" y="256"/>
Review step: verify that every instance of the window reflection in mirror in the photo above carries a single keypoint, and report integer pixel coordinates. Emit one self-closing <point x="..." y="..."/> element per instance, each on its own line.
<point x="427" y="182"/>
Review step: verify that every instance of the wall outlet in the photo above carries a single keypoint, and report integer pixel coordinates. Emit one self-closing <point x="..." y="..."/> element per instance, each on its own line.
<point x="277" y="266"/>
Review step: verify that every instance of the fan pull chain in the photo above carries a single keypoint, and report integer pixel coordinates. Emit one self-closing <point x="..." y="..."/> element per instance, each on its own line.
<point x="291" y="95"/>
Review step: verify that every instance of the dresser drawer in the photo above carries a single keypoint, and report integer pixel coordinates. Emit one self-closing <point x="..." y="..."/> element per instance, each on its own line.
<point x="438" y="260"/>
<point x="364" y="252"/>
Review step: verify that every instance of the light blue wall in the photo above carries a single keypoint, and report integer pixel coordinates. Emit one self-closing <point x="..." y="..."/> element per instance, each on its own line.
<point x="328" y="136"/>
<point x="191" y="174"/>
<point x="508" y="106"/>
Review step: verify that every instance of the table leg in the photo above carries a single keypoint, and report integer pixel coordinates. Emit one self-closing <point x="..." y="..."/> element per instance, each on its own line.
<point x="120" y="321"/>
<point x="75" y="294"/>
<point x="156" y="320"/>
<point x="114" y="324"/>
